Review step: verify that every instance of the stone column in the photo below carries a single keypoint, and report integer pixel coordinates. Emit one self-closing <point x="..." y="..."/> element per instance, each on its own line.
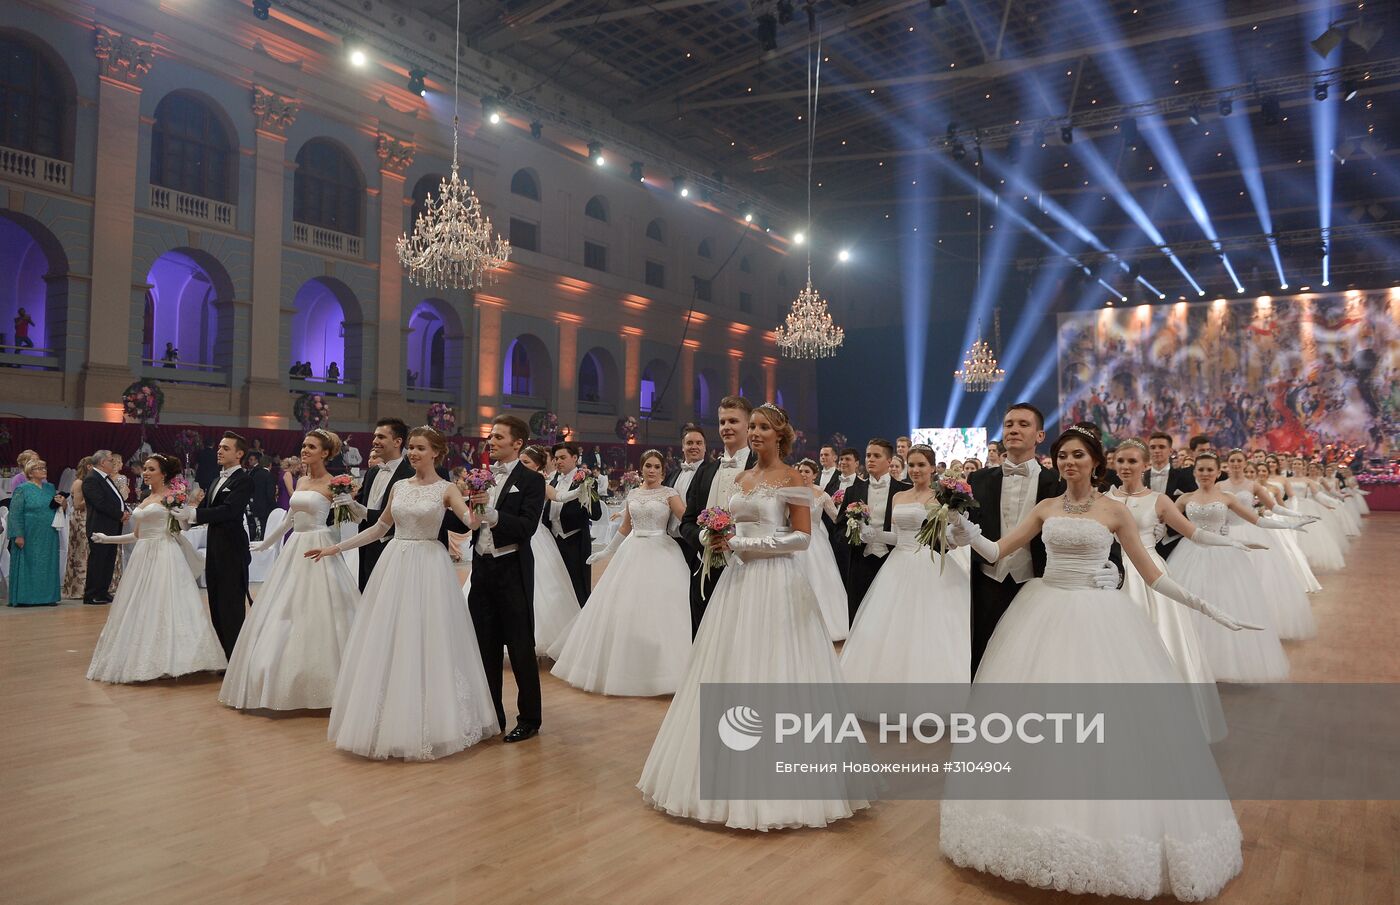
<point x="395" y="157"/>
<point x="687" y="394"/>
<point x="770" y="380"/>
<point x="631" y="371"/>
<point x="122" y="62"/>
<point x="489" y="365"/>
<point x="264" y="396"/>
<point x="735" y="355"/>
<point x="568" y="367"/>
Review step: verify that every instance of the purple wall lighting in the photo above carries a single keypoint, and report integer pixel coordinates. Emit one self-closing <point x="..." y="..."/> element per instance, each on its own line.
<point x="318" y="328"/>
<point x="23" y="265"/>
<point x="427" y="345"/>
<point x="180" y="309"/>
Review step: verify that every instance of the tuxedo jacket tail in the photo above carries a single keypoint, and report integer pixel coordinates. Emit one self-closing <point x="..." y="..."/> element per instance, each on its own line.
<point x="861" y="569"/>
<point x="226" y="554"/>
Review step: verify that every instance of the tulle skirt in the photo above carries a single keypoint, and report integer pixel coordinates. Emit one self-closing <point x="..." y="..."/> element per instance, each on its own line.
<point x="1287" y="541"/>
<point x="1318" y="542"/>
<point x="158" y="625"/>
<point x="1224" y="578"/>
<point x="1335" y="523"/>
<point x="556" y="605"/>
<point x="288" y="653"/>
<point x="1139" y="848"/>
<point x="1362" y="507"/>
<point x="818" y="563"/>
<point x="762" y="624"/>
<point x="1349" y="517"/>
<point x="1278" y="583"/>
<point x="411" y="682"/>
<point x="633" y="637"/>
<point x="914" y="625"/>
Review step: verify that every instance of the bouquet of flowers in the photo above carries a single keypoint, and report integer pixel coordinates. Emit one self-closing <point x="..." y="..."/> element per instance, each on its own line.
<point x="341" y="484"/>
<point x="177" y="495"/>
<point x="188" y="442"/>
<point x="441" y="418"/>
<point x="312" y="411"/>
<point x="857" y="517"/>
<point x="479" y="480"/>
<point x="627" y="427"/>
<point x="839" y="497"/>
<point x="717" y="523"/>
<point x="950" y="495"/>
<point x="142" y="401"/>
<point x="545" y="427"/>
<point x="629" y="481"/>
<point x="589" y="496"/>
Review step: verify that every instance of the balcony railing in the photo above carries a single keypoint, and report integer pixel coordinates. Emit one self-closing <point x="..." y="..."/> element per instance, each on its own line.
<point x="196" y="372"/>
<point x="512" y="401"/>
<point x="324" y="387"/>
<point x="323" y="239"/>
<point x="36" y="168"/>
<point x="193" y="207"/>
<point x="429" y="394"/>
<point x="29" y="357"/>
<point x="596" y="408"/>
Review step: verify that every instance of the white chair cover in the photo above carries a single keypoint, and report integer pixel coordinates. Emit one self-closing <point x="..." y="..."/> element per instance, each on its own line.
<point x="261" y="563"/>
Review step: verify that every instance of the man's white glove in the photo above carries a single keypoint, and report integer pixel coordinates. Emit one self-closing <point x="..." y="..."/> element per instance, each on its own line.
<point x="1107" y="577"/>
<point x="1159" y="531"/>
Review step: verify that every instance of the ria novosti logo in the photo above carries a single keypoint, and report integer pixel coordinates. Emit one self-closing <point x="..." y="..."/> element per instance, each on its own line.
<point x="740" y="728"/>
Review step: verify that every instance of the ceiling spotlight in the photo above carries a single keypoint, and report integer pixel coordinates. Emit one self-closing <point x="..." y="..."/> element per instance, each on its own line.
<point x="1327" y="42"/>
<point x="1269" y="110"/>
<point x="358" y="57"/>
<point x="636" y="172"/>
<point x="767" y="226"/>
<point x="746" y="210"/>
<point x="262" y="9"/>
<point x="1322" y="249"/>
<point x="799" y="237"/>
<point x="1194" y="114"/>
<point x="681" y="188"/>
<point x="958" y="150"/>
<point x="1067" y="133"/>
<point x="1320" y="91"/>
<point x="1364" y="36"/>
<point x="1240" y="290"/>
<point x="536" y="129"/>
<point x="595" y="152"/>
<point x="1200" y="292"/>
<point x="1349" y="89"/>
<point x="1226" y="106"/>
<point x="843" y="255"/>
<point x="415" y="82"/>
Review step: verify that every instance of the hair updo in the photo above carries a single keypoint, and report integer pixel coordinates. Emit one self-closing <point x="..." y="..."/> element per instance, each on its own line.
<point x="169" y="466"/>
<point x="652" y="454"/>
<point x="779" y="420"/>
<point x="536" y="454"/>
<point x="329" y="440"/>
<point x="1091" y="442"/>
<point x="436" y="442"/>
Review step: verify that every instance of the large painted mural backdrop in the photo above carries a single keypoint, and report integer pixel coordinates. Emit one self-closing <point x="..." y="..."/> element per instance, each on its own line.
<point x="1286" y="374"/>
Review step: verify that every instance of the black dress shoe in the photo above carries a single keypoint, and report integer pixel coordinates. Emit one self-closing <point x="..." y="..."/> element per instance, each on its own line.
<point x="521" y="732"/>
<point x="96" y="602"/>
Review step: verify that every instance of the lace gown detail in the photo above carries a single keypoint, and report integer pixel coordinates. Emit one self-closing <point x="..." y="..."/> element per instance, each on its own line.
<point x="158" y="624"/>
<point x="288" y="653"/>
<point x="762" y="624"/>
<point x="818" y="563"/>
<point x="411" y="683"/>
<point x="914" y="624"/>
<point x="633" y="636"/>
<point x="1286" y="596"/>
<point x="1224" y="576"/>
<point x="1063" y="629"/>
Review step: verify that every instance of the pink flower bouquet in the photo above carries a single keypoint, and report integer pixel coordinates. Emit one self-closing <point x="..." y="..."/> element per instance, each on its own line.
<point x="718" y="524"/>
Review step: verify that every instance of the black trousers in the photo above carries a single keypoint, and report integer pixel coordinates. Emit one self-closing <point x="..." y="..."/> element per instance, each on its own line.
<point x="860" y="575"/>
<point x="504" y="616"/>
<point x="369" y="556"/>
<point x="990" y="599"/>
<point x="228" y="589"/>
<point x="101" y="562"/>
<point x="701" y="592"/>
<point x="575" y="551"/>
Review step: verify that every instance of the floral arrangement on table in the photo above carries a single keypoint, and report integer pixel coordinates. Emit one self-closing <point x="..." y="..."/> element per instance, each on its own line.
<point x="177" y="496"/>
<point x="1372" y="478"/>
<point x="312" y="410"/>
<point x="951" y="495"/>
<point x="479" y="480"/>
<point x="629" y="481"/>
<point x="142" y="401"/>
<point x="544" y="427"/>
<point x="441" y="418"/>
<point x="715" y="522"/>
<point x="342" y="484"/>
<point x="857" y="517"/>
<point x="187" y="443"/>
<point x="627" y="427"/>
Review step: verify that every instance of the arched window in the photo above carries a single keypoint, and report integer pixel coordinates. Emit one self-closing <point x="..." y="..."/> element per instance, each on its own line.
<point x="326" y="328"/>
<point x="33" y="289"/>
<point x="190" y="149"/>
<point x="327" y="190"/>
<point x="34" y="102"/>
<point x="656" y="231"/>
<point x="521" y="383"/>
<point x="704" y="249"/>
<point x="590" y="380"/>
<point x="425" y="186"/>
<point x="704" y="409"/>
<point x="599" y="383"/>
<point x="524" y="184"/>
<point x="188" y="305"/>
<point x="596" y="209"/>
<point x="653" y="383"/>
<point x="744" y="265"/>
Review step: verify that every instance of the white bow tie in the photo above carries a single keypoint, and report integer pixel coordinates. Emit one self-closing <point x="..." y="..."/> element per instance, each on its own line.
<point x="501" y="469"/>
<point x="689" y="466"/>
<point x="727" y="462"/>
<point x="879" y="482"/>
<point x="1024" y="469"/>
<point x="228" y="471"/>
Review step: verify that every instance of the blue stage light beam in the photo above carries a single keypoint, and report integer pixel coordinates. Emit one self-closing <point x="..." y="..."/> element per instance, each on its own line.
<point x="917" y="263"/>
<point x="1324" y="134"/>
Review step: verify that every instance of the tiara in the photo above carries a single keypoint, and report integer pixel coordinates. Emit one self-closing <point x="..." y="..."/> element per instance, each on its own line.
<point x="1084" y="431"/>
<point x="1134" y="442"/>
<point x="770" y="407"/>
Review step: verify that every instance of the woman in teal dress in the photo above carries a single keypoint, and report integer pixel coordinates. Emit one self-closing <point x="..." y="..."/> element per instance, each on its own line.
<point x="33" y="540"/>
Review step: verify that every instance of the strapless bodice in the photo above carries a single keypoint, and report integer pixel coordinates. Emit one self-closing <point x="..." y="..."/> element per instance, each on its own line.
<point x="908" y="518"/>
<point x="418" y="510"/>
<point x="1075" y="549"/>
<point x="1211" y="517"/>
<point x="150" y="522"/>
<point x="308" y="510"/>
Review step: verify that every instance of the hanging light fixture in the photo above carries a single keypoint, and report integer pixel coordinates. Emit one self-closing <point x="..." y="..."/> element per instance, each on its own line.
<point x="980" y="370"/>
<point x="452" y="245"/>
<point x="808" y="331"/>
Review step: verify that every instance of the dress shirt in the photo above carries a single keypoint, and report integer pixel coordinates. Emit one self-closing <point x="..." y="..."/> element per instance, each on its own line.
<point x="846" y="481"/>
<point x="224" y="475"/>
<point x="1157" y="479"/>
<point x="485" y="542"/>
<point x="877" y="497"/>
<point x="730" y="470"/>
<point x="825" y="477"/>
<point x="558" y="482"/>
<point x="682" y="485"/>
<point x="380" y="487"/>
<point x="1017" y="501"/>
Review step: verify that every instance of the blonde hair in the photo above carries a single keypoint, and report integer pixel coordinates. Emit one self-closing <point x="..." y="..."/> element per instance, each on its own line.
<point x="436" y="441"/>
<point x="779" y="420"/>
<point x="329" y="440"/>
<point x="32" y="464"/>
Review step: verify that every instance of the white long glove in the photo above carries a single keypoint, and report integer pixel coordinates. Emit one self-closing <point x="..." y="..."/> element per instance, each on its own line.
<point x="1165" y="586"/>
<point x="747" y="548"/>
<point x="1327" y="497"/>
<point x="357" y="510"/>
<point x="1107" y="578"/>
<point x="1211" y="539"/>
<point x="369" y="535"/>
<point x="968" y="534"/>
<point x="617" y="539"/>
<point x="100" y="538"/>
<point x="1274" y="523"/>
<point x="869" y="534"/>
<point x="272" y="539"/>
<point x="1159" y="531"/>
<point x="1284" y="510"/>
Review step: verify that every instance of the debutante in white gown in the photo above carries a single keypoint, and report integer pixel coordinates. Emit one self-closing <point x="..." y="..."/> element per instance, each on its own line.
<point x="158" y="624"/>
<point x="1278" y="582"/>
<point x="1061" y="629"/>
<point x="914" y="624"/>
<point x="1287" y="541"/>
<point x="288" y="654"/>
<point x="1319" y="542"/>
<point x="762" y="624"/>
<point x="1175" y="624"/>
<point x="633" y="637"/>
<point x="818" y="563"/>
<point x="411" y="682"/>
<point x="556" y="604"/>
<point x="1224" y="576"/>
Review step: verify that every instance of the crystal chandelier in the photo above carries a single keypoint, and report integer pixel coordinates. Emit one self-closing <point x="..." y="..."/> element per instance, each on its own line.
<point x="452" y="245"/>
<point x="979" y="370"/>
<point x="808" y="331"/>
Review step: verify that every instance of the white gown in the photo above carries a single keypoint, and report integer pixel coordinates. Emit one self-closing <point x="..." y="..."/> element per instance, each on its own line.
<point x="1224" y="576"/>
<point x="914" y="624"/>
<point x="818" y="563"/>
<point x="1318" y="541"/>
<point x="762" y="624"/>
<point x="1287" y="541"/>
<point x="1277" y="580"/>
<point x="1176" y="624"/>
<point x="288" y="653"/>
<point x="633" y="637"/>
<point x="556" y="604"/>
<point x="158" y="624"/>
<point x="1062" y="629"/>
<point x="411" y="682"/>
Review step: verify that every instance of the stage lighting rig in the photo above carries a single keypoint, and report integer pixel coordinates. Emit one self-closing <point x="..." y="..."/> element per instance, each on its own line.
<point x="1067" y="133"/>
<point x="536" y="129"/>
<point x="1269" y="110"/>
<point x="1227" y="106"/>
<point x="681" y="188"/>
<point x="416" y="82"/>
<point x="490" y="109"/>
<point x="636" y="172"/>
<point x="1349" y="89"/>
<point x="1320" y="91"/>
<point x="1193" y="113"/>
<point x="595" y="152"/>
<point x="1129" y="130"/>
<point x="262" y="9"/>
